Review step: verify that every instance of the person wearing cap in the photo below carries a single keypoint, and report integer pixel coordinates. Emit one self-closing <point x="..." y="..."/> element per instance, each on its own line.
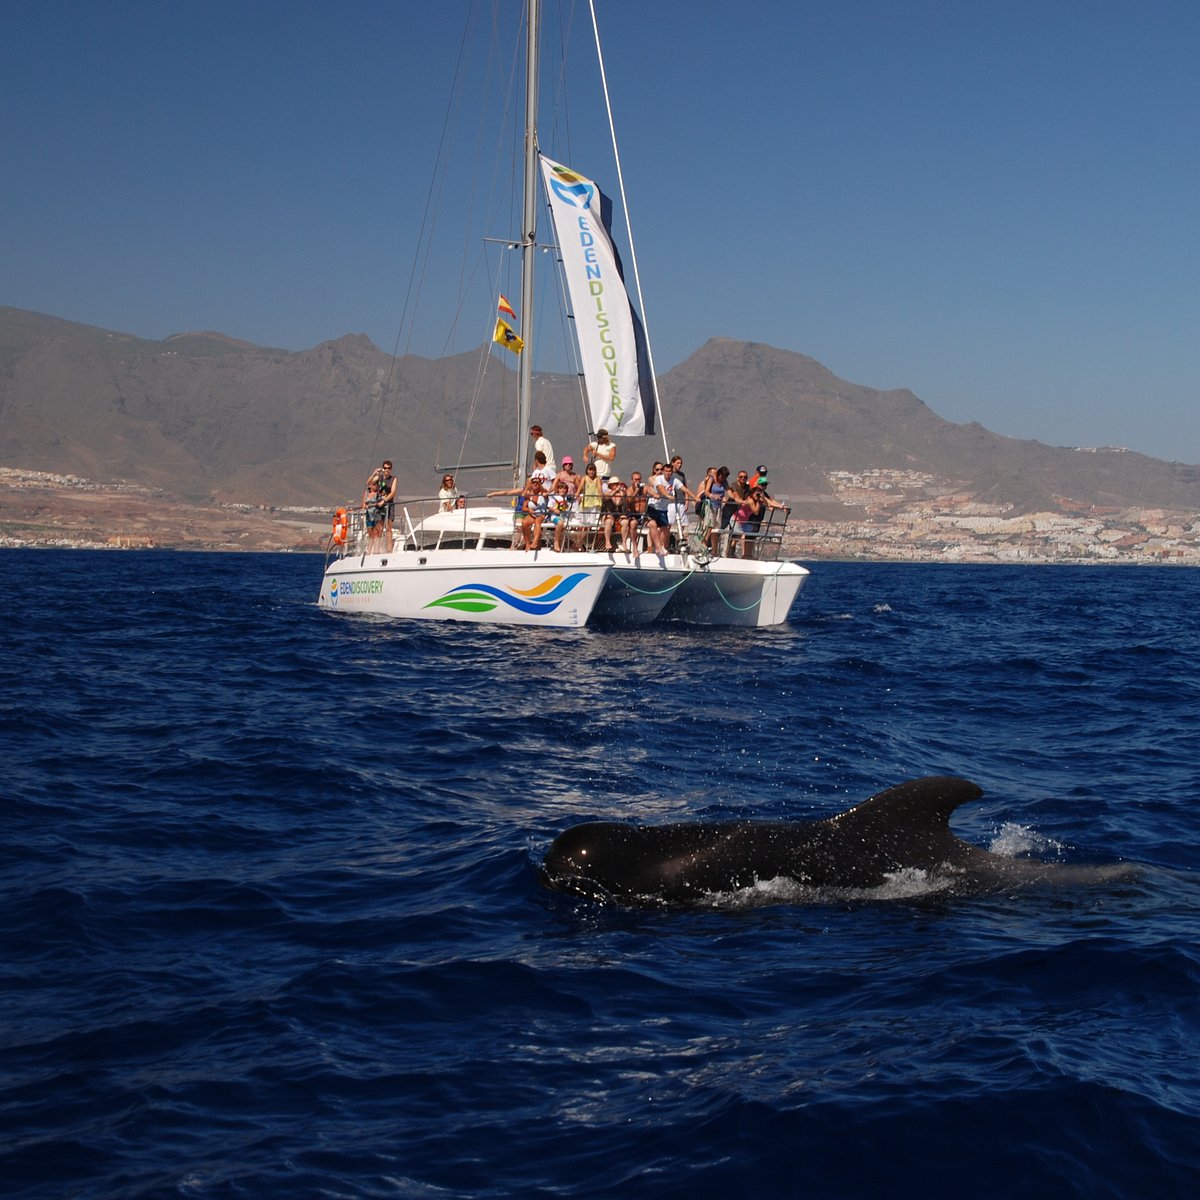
<point x="558" y="512"/>
<point x="529" y="511"/>
<point x="760" y="481"/>
<point x="542" y="442"/>
<point x="534" y="512"/>
<point x="635" y="508"/>
<point x="767" y="502"/>
<point x="602" y="452"/>
<point x="542" y="471"/>
<point x="758" y="487"/>
<point x="612" y="511"/>
<point x="567" y="475"/>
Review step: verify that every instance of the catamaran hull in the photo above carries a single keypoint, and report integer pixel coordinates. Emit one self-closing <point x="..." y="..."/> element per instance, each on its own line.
<point x="737" y="592"/>
<point x="722" y="592"/>
<point x="490" y="586"/>
<point x="561" y="590"/>
<point x="637" y="590"/>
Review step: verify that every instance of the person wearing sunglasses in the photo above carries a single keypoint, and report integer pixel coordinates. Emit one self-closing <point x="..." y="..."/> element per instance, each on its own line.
<point x="386" y="483"/>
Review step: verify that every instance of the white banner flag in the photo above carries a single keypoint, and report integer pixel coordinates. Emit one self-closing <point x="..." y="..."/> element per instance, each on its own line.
<point x="606" y="327"/>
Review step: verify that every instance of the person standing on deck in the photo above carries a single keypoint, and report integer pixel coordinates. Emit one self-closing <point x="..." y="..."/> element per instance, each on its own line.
<point x="739" y="490"/>
<point x="387" y="484"/>
<point x="716" y="488"/>
<point x="602" y="452"/>
<point x="659" y="496"/>
<point x="758" y="483"/>
<point x="589" y="499"/>
<point x="373" y="514"/>
<point x="677" y="511"/>
<point x="745" y="521"/>
<point x="635" y="506"/>
<point x="542" y="442"/>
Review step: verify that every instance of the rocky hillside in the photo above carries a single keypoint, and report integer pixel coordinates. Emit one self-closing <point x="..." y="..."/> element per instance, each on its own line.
<point x="754" y="403"/>
<point x="205" y="417"/>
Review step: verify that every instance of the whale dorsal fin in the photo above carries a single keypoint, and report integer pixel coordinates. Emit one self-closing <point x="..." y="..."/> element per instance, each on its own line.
<point x="905" y="826"/>
<point x="926" y="802"/>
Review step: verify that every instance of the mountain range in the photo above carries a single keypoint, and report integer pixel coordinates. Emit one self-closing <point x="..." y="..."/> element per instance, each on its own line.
<point x="205" y="417"/>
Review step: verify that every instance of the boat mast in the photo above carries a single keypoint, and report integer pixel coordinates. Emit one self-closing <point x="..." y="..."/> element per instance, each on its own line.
<point x="528" y="238"/>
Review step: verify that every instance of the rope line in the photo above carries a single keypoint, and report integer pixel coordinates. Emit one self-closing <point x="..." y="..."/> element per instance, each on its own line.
<point x="734" y="607"/>
<point x="748" y="607"/>
<point x="661" y="591"/>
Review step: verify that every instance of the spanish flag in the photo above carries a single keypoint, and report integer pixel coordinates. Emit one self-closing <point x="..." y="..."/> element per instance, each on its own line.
<point x="506" y="336"/>
<point x="505" y="307"/>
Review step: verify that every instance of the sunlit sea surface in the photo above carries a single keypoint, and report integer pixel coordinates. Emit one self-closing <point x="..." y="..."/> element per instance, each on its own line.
<point x="272" y="925"/>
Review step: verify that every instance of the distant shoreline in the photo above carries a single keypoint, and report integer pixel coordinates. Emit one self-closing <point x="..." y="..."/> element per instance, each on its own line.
<point x="42" y="510"/>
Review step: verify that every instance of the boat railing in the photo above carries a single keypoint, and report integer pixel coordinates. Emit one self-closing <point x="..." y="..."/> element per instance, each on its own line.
<point x="422" y="523"/>
<point x="763" y="541"/>
<point x="769" y="543"/>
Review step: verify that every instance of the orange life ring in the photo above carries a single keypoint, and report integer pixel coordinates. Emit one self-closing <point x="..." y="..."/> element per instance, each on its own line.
<point x="341" y="526"/>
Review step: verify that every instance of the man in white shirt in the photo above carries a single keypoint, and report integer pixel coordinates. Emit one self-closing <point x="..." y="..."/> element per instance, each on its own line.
<point x="542" y="443"/>
<point x="601" y="452"/>
<point x="542" y="471"/>
<point x="659" y="497"/>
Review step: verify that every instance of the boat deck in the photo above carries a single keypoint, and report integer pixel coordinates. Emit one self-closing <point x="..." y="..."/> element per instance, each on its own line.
<point x="461" y="565"/>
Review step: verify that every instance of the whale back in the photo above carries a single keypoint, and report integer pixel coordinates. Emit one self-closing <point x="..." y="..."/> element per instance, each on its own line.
<point x="904" y="827"/>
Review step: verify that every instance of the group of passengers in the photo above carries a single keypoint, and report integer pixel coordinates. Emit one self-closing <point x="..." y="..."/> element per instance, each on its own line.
<point x="599" y="501"/>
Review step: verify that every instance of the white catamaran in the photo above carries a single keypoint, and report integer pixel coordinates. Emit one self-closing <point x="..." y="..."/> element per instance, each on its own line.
<point x="461" y="565"/>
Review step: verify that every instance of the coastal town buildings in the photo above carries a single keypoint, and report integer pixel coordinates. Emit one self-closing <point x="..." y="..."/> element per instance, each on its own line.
<point x="915" y="517"/>
<point x="902" y="516"/>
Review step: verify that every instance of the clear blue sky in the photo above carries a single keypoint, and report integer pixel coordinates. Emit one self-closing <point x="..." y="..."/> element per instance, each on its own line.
<point x="995" y="203"/>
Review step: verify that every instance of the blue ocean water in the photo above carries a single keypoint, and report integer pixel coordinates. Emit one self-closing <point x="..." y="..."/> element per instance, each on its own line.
<point x="272" y="924"/>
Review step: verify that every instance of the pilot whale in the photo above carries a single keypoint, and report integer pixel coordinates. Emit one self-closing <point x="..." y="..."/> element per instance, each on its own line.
<point x="902" y="829"/>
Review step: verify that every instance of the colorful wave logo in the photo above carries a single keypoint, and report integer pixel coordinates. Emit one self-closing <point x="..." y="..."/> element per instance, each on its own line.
<point x="538" y="601"/>
<point x="571" y="187"/>
<point x="333" y="593"/>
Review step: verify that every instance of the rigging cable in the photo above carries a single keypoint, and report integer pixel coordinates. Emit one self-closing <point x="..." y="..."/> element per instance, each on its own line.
<point x="637" y="279"/>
